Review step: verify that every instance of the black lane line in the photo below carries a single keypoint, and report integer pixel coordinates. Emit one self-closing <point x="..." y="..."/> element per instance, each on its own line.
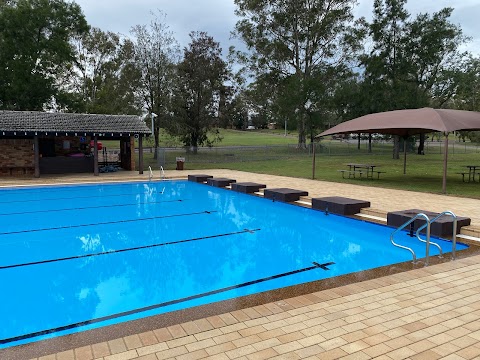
<point x="127" y="249"/>
<point x="91" y="207"/>
<point x="106" y="223"/>
<point x="156" y="306"/>
<point x="76" y="197"/>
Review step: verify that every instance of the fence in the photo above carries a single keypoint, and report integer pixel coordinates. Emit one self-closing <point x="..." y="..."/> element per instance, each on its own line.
<point x="166" y="156"/>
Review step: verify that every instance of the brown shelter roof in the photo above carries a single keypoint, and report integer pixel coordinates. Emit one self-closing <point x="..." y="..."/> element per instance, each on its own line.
<point x="29" y="123"/>
<point x="409" y="122"/>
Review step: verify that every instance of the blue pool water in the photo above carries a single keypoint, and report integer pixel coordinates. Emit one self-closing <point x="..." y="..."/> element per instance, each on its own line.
<point x="74" y="258"/>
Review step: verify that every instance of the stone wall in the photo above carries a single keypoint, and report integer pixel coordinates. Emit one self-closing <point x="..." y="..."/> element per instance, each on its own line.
<point x="16" y="157"/>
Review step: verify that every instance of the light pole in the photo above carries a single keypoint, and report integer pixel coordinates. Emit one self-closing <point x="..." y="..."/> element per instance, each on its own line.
<point x="153" y="117"/>
<point x="285" y="128"/>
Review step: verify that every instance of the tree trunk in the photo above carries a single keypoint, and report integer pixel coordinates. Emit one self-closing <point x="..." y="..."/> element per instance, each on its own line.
<point x="396" y="147"/>
<point x="421" y="145"/>
<point x="302" y="139"/>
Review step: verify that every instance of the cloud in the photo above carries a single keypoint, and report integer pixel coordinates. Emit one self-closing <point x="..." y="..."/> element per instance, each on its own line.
<point x="218" y="19"/>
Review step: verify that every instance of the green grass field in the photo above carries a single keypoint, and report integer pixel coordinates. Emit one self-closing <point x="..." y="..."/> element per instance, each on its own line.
<point x="271" y="155"/>
<point x="424" y="173"/>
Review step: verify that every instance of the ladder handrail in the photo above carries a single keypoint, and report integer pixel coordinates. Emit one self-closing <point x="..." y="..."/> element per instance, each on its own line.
<point x="404" y="226"/>
<point x="431" y="242"/>
<point x="454" y="234"/>
<point x="150" y="175"/>
<point x="162" y="172"/>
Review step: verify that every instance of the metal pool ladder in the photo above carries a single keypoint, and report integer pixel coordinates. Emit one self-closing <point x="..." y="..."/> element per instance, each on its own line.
<point x="454" y="232"/>
<point x="427" y="225"/>
<point x="404" y="226"/>
<point x="162" y="173"/>
<point x="150" y="174"/>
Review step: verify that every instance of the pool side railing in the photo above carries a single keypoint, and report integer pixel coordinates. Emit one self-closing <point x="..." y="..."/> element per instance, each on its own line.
<point x="454" y="233"/>
<point x="427" y="241"/>
<point x="420" y="215"/>
<point x="431" y="242"/>
<point x="150" y="173"/>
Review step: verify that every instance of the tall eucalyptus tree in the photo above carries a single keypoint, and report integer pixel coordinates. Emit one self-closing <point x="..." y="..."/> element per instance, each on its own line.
<point x="294" y="46"/>
<point x="156" y="55"/>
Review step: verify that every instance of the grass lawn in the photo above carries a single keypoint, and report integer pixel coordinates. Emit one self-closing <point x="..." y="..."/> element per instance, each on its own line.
<point x="424" y="172"/>
<point x="229" y="138"/>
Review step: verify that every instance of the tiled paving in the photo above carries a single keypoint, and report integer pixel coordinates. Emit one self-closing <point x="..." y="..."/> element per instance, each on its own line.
<point x="427" y="313"/>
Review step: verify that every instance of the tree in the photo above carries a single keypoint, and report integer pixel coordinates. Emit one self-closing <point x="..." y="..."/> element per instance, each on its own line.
<point x="156" y="55"/>
<point x="293" y="42"/>
<point x="202" y="76"/>
<point x="105" y="79"/>
<point x="35" y="46"/>
<point x="411" y="61"/>
<point x="467" y="96"/>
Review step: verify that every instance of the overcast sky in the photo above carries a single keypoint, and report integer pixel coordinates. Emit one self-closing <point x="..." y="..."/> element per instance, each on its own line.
<point x="217" y="17"/>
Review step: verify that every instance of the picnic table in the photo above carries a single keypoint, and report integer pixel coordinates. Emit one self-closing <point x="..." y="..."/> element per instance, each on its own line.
<point x="355" y="169"/>
<point x="472" y="172"/>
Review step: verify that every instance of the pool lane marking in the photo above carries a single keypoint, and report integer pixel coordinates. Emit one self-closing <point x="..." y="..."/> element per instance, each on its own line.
<point x="79" y="197"/>
<point x="166" y="303"/>
<point x="91" y="207"/>
<point x="107" y="223"/>
<point x="128" y="249"/>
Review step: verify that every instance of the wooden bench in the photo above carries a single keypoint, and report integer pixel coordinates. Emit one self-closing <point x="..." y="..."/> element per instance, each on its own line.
<point x="360" y="173"/>
<point x="352" y="173"/>
<point x="378" y="173"/>
<point x="463" y="175"/>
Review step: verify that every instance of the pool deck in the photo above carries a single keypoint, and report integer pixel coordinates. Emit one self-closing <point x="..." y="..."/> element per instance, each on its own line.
<point x="427" y="313"/>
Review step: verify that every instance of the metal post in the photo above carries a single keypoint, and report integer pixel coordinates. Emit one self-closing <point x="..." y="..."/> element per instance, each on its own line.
<point x="445" y="156"/>
<point x="285" y="128"/>
<point x="153" y="128"/>
<point x="95" y="156"/>
<point x="313" y="165"/>
<point x="428" y="244"/>
<point x="36" y="157"/>
<point x="140" y="154"/>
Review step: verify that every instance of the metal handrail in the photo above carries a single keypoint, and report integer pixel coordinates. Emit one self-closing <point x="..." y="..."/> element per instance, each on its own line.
<point x="150" y="175"/>
<point x="162" y="172"/>
<point x="454" y="234"/>
<point x="431" y="242"/>
<point x="404" y="226"/>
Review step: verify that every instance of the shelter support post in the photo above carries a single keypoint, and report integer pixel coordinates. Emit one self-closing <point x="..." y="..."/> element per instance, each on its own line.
<point x="95" y="155"/>
<point x="405" y="155"/>
<point x="313" y="164"/>
<point x="445" y="156"/>
<point x="36" y="156"/>
<point x="140" y="155"/>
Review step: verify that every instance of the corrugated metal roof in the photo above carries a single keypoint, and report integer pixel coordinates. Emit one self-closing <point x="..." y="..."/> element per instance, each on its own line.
<point x="20" y="123"/>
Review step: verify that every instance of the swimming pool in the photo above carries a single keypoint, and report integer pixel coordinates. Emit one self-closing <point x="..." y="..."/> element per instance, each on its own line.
<point x="74" y="258"/>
